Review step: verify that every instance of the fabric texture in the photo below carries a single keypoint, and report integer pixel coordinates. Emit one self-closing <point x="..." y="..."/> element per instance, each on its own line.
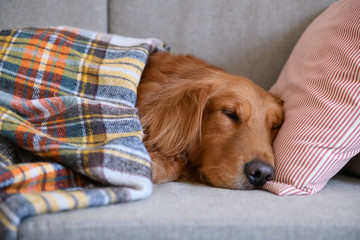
<point x="206" y="213"/>
<point x="68" y="96"/>
<point x="320" y="86"/>
<point x="86" y="14"/>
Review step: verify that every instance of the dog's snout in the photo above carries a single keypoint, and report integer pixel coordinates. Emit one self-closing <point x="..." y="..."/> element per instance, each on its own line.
<point x="258" y="172"/>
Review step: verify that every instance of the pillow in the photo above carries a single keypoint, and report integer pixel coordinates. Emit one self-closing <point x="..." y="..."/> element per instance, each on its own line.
<point x="320" y="87"/>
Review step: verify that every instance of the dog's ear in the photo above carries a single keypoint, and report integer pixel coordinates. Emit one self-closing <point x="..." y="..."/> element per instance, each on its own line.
<point x="174" y="122"/>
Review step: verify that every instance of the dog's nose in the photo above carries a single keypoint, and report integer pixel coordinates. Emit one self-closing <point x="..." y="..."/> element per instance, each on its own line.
<point x="258" y="172"/>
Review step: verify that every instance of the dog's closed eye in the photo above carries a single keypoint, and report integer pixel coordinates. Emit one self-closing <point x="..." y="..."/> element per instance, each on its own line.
<point x="231" y="114"/>
<point x="276" y="127"/>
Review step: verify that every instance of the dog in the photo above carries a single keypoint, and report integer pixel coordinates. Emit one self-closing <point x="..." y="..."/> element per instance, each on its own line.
<point x="198" y="119"/>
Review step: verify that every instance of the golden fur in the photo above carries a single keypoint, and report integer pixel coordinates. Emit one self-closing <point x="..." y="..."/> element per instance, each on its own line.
<point x="201" y="119"/>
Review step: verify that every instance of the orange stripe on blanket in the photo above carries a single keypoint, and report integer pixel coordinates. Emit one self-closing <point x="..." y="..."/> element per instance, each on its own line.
<point x="39" y="177"/>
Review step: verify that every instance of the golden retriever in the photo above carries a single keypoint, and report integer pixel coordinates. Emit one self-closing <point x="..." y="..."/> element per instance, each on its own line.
<point x="199" y="119"/>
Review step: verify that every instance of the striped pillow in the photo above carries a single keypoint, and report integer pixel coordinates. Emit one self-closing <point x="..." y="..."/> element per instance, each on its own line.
<point x="320" y="86"/>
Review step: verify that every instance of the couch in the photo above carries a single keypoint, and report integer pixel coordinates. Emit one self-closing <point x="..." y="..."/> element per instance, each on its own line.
<point x="244" y="37"/>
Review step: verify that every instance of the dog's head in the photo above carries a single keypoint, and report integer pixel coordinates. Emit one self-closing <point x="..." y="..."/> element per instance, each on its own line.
<point x="225" y="124"/>
<point x="239" y="123"/>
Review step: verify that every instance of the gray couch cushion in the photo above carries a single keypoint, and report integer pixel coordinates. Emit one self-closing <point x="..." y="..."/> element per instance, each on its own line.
<point x="245" y="37"/>
<point x="88" y="14"/>
<point x="187" y="211"/>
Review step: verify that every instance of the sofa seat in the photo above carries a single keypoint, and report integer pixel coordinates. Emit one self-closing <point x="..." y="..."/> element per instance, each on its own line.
<point x="183" y="210"/>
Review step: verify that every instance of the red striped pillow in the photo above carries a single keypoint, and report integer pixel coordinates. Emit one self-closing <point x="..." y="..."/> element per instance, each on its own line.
<point x="320" y="86"/>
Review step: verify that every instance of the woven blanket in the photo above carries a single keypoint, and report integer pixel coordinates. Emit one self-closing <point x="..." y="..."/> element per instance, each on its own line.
<point x="70" y="136"/>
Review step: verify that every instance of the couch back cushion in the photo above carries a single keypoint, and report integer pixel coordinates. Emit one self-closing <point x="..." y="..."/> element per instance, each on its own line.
<point x="87" y="14"/>
<point x="245" y="37"/>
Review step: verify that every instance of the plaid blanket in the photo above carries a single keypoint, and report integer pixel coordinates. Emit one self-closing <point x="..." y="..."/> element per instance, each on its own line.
<point x="70" y="136"/>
